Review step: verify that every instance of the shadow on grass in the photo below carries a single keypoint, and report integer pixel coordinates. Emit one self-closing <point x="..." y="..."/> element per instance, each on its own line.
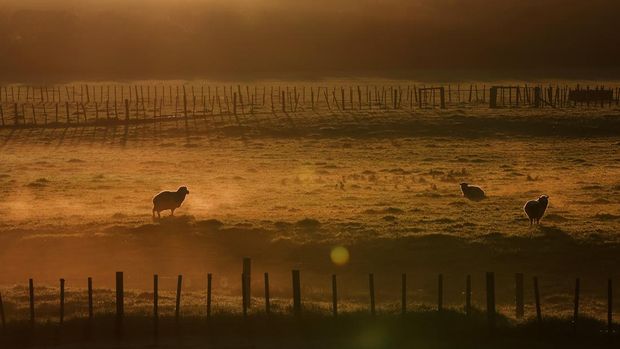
<point x="425" y="329"/>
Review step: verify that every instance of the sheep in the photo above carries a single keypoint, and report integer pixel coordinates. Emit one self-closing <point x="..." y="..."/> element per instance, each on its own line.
<point x="535" y="209"/>
<point x="168" y="200"/>
<point x="472" y="192"/>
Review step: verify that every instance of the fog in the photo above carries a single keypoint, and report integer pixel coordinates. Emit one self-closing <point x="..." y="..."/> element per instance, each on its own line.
<point x="48" y="40"/>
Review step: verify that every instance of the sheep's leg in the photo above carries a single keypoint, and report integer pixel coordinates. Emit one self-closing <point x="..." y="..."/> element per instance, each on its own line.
<point x="158" y="214"/>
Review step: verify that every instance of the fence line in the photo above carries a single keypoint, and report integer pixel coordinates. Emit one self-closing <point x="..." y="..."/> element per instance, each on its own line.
<point x="26" y="106"/>
<point x="491" y="310"/>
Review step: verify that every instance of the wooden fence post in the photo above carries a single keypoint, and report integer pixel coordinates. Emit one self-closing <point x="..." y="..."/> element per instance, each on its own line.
<point x="371" y="286"/>
<point x="296" y="293"/>
<point x="177" y="309"/>
<point x="537" y="300"/>
<point x="247" y="289"/>
<point x="209" y="282"/>
<point x="403" y="296"/>
<point x="120" y="301"/>
<point x="493" y="97"/>
<point x="537" y="97"/>
<point x="244" y="302"/>
<point x="442" y="96"/>
<point x="120" y="304"/>
<point x="420" y="98"/>
<point x="31" y="297"/>
<point x="62" y="301"/>
<point x="576" y="304"/>
<point x="468" y="295"/>
<point x="440" y="292"/>
<point x="283" y="101"/>
<point x="90" y="299"/>
<point x="490" y="278"/>
<point x="334" y="296"/>
<point x="519" y="303"/>
<point x="267" y="302"/>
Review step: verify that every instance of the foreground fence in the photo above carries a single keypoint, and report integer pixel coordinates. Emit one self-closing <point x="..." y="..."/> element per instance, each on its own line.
<point x="74" y="105"/>
<point x="297" y="301"/>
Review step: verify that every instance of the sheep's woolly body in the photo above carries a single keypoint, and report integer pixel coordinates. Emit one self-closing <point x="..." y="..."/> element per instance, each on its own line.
<point x="472" y="192"/>
<point x="169" y="200"/>
<point x="535" y="209"/>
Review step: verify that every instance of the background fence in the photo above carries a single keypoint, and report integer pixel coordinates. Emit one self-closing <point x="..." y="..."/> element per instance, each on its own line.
<point x="84" y="104"/>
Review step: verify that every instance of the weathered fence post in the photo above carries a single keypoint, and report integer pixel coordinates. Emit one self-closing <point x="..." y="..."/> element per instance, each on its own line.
<point x="209" y="282"/>
<point x="442" y="96"/>
<point x="403" y="296"/>
<point x="334" y="296"/>
<point x="537" y="300"/>
<point x="493" y="97"/>
<point x="519" y="303"/>
<point x="244" y="302"/>
<point x="62" y="301"/>
<point x="537" y="97"/>
<point x="420" y="98"/>
<point x="440" y="292"/>
<point x="177" y="309"/>
<point x="296" y="293"/>
<point x="371" y="286"/>
<point x="490" y="278"/>
<point x="247" y="289"/>
<point x="267" y="302"/>
<point x="468" y="295"/>
<point x="120" y="301"/>
<point x="576" y="304"/>
<point x="90" y="298"/>
<point x="31" y="297"/>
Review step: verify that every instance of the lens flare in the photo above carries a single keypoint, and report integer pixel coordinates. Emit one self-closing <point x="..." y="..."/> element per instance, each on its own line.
<point x="339" y="255"/>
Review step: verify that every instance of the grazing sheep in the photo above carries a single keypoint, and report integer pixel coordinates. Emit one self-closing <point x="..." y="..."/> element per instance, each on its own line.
<point x="535" y="209"/>
<point x="169" y="200"/>
<point x="472" y="192"/>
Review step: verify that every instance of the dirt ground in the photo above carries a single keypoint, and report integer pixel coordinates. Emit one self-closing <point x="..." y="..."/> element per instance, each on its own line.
<point x="286" y="189"/>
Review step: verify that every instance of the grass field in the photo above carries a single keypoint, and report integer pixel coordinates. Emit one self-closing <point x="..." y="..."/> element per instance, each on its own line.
<point x="286" y="189"/>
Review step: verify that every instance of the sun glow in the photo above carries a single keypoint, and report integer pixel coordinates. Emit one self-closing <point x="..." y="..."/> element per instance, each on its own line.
<point x="339" y="255"/>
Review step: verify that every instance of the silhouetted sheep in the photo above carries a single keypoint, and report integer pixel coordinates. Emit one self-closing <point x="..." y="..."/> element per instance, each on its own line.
<point x="472" y="192"/>
<point x="535" y="209"/>
<point x="169" y="200"/>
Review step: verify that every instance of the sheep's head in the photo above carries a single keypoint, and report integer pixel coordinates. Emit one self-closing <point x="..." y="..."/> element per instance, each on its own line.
<point x="544" y="199"/>
<point x="183" y="190"/>
<point x="464" y="185"/>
